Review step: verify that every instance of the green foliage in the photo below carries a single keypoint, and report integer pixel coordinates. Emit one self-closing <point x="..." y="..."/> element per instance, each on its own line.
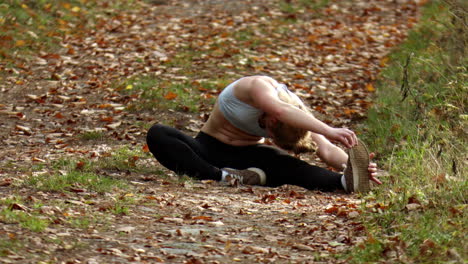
<point x="180" y="95"/>
<point x="28" y="221"/>
<point x="418" y="124"/>
<point x="74" y="179"/>
<point x="8" y="245"/>
<point x="92" y="135"/>
<point x="123" y="159"/>
<point x="294" y="6"/>
<point x="12" y="212"/>
<point x="120" y="209"/>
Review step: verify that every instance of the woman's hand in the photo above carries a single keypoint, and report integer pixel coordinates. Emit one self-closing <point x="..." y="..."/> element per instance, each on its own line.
<point x="373" y="169"/>
<point x="342" y="135"/>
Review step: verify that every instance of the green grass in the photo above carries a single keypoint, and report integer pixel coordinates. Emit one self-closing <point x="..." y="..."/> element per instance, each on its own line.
<point x="297" y="5"/>
<point x="27" y="218"/>
<point x="92" y="135"/>
<point x="66" y="175"/>
<point x="8" y="245"/>
<point x="418" y="128"/>
<point x="74" y="180"/>
<point x="153" y="93"/>
<point x="32" y="222"/>
<point x="123" y="159"/>
<point x="13" y="210"/>
<point x="120" y="208"/>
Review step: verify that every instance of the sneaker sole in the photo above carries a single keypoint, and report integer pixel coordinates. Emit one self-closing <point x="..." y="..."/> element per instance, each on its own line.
<point x="359" y="157"/>
<point x="261" y="173"/>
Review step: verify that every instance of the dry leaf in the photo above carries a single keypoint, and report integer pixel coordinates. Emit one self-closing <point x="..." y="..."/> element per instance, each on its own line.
<point x="412" y="206"/>
<point x="114" y="125"/>
<point x="170" y="96"/>
<point x="125" y="229"/>
<point x="303" y="247"/>
<point x="254" y="250"/>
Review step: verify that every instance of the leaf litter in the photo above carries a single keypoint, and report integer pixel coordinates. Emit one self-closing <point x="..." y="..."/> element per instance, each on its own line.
<point x="330" y="57"/>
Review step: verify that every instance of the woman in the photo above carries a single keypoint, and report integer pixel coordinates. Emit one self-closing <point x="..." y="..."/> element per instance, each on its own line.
<point x="230" y="145"/>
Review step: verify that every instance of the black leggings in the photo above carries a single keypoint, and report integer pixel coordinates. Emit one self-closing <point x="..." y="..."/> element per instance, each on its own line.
<point x="203" y="156"/>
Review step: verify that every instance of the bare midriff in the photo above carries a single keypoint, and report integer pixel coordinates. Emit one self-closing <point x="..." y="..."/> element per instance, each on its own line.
<point x="218" y="127"/>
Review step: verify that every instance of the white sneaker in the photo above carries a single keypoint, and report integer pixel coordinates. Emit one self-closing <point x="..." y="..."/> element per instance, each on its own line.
<point x="250" y="176"/>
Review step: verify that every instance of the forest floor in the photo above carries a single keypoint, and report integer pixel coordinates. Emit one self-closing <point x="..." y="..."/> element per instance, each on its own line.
<point x="85" y="108"/>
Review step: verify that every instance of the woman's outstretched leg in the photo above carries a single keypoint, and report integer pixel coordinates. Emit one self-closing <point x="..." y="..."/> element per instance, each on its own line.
<point x="282" y="168"/>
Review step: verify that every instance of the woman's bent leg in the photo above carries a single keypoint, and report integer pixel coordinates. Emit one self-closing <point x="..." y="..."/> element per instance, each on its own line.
<point x="180" y="153"/>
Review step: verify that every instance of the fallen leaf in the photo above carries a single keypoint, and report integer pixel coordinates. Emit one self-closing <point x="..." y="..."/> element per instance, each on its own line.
<point x="125" y="229"/>
<point x="370" y="87"/>
<point x="170" y="96"/>
<point x="412" y="206"/>
<point x="303" y="247"/>
<point x="216" y="223"/>
<point x="6" y="182"/>
<point x="20" y="43"/>
<point x="113" y="125"/>
<point x="145" y="148"/>
<point x="16" y="206"/>
<point x="25" y="129"/>
<point x="254" y="250"/>
<point x="202" y="217"/>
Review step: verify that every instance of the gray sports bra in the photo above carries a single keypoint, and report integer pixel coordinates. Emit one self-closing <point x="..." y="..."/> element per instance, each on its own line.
<point x="242" y="115"/>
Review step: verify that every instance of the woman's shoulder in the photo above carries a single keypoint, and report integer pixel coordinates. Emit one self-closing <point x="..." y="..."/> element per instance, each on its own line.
<point x="246" y="84"/>
<point x="254" y="78"/>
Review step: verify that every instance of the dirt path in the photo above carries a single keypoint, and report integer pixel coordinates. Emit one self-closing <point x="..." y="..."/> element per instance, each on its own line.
<point x="329" y="57"/>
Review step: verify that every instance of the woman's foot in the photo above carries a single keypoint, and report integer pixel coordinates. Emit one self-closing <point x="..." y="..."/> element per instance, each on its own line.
<point x="356" y="172"/>
<point x="250" y="176"/>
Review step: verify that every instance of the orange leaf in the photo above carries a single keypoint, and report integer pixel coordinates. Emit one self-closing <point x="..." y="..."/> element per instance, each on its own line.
<point x="170" y="96"/>
<point x="202" y="217"/>
<point x="349" y="112"/>
<point x="80" y="165"/>
<point x="384" y="61"/>
<point x="312" y="38"/>
<point x="370" y="87"/>
<point x="331" y="210"/>
<point x="145" y="148"/>
<point x="108" y="119"/>
<point x="104" y="105"/>
<point x="20" y="43"/>
<point x="299" y="76"/>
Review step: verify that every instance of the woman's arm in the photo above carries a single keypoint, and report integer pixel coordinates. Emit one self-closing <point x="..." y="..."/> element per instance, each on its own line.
<point x="260" y="92"/>
<point x="330" y="153"/>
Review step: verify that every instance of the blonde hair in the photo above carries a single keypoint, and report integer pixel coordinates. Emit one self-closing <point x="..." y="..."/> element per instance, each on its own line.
<point x="288" y="137"/>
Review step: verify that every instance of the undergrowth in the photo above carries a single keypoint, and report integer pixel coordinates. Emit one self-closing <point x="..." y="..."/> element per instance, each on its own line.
<point x="419" y="128"/>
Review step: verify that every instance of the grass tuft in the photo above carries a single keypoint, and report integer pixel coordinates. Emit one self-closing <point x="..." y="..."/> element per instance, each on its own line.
<point x="74" y="180"/>
<point x="92" y="135"/>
